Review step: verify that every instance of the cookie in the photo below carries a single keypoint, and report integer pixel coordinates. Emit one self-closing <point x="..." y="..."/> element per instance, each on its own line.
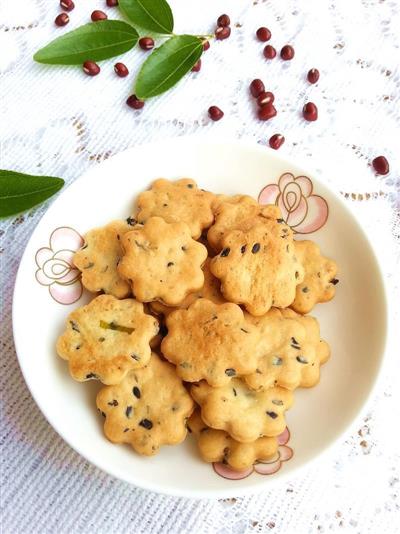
<point x="210" y="291"/>
<point x="179" y="201"/>
<point x="218" y="446"/>
<point x="319" y="280"/>
<point x="99" y="257"/>
<point x="242" y="412"/>
<point x="162" y="261"/>
<point x="149" y="408"/>
<point x="210" y="341"/>
<point x="107" y="338"/>
<point x="232" y="213"/>
<point x="289" y="351"/>
<point x="258" y="266"/>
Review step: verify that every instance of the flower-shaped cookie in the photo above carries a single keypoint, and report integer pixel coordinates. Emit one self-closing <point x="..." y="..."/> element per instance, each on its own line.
<point x="149" y="408"/>
<point x="162" y="261"/>
<point x="210" y="341"/>
<point x="319" y="280"/>
<point x="106" y="339"/>
<point x="210" y="291"/>
<point x="218" y="446"/>
<point x="179" y="201"/>
<point x="242" y="412"/>
<point x="289" y="351"/>
<point x="99" y="257"/>
<point x="258" y="267"/>
<point x="236" y="213"/>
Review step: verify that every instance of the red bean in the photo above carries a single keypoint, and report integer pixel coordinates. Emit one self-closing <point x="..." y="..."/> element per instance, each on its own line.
<point x="276" y="141"/>
<point x="287" y="53"/>
<point x="263" y="34"/>
<point x="197" y="66"/>
<point x="310" y="112"/>
<point x="266" y="97"/>
<point x="134" y="102"/>
<point x="206" y="45"/>
<point x="68" y="5"/>
<point x="146" y="43"/>
<point x="269" y="52"/>
<point x="215" y="113"/>
<point x="381" y="165"/>
<point x="257" y="87"/>
<point x="62" y="19"/>
<point x="313" y="75"/>
<point x="112" y="3"/>
<point x="98" y="15"/>
<point x="266" y="112"/>
<point x="223" y="21"/>
<point x="222" y="32"/>
<point x="91" y="68"/>
<point x="121" y="70"/>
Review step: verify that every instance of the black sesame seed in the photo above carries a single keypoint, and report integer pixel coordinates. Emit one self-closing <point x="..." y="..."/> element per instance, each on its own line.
<point x="136" y="392"/>
<point x="305" y="289"/>
<point x="230" y="372"/>
<point x="103" y="414"/>
<point x="273" y="415"/>
<point x="131" y="221"/>
<point x="91" y="375"/>
<point x="301" y="359"/>
<point x="234" y="392"/>
<point x="146" y="423"/>
<point x="184" y="248"/>
<point x="135" y="357"/>
<point x="165" y="205"/>
<point x="276" y="360"/>
<point x="245" y="331"/>
<point x="225" y="252"/>
<point x="128" y="412"/>
<point x="170" y="263"/>
<point x="258" y="371"/>
<point x="334" y="281"/>
<point x="277" y="402"/>
<point x="243" y="249"/>
<point x="280" y="221"/>
<point x="255" y="248"/>
<point x="74" y="326"/>
<point x="294" y="343"/>
<point x="101" y="339"/>
<point x="77" y="347"/>
<point x="287" y="248"/>
<point x="190" y="186"/>
<point x="126" y="429"/>
<point x="296" y="274"/>
<point x="114" y="402"/>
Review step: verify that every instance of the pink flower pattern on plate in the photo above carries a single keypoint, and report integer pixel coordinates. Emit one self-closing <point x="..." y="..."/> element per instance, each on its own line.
<point x="55" y="266"/>
<point x="270" y="467"/>
<point x="303" y="211"/>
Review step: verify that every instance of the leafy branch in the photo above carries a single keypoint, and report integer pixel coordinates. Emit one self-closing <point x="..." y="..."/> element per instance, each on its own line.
<point x="104" y="39"/>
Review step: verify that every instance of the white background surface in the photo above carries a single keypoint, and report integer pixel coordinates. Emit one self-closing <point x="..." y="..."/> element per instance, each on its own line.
<point x="57" y="121"/>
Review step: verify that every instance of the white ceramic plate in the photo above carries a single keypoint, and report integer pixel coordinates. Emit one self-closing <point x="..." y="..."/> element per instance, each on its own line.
<point x="47" y="289"/>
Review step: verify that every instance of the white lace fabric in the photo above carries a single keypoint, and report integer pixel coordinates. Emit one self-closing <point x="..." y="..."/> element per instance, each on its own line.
<point x="58" y="121"/>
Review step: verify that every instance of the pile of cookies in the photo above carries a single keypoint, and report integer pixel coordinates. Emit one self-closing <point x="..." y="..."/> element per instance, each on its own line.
<point x="199" y="322"/>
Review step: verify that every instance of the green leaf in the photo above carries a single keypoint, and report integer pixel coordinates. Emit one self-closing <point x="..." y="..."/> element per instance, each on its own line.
<point x="152" y="15"/>
<point x="19" y="192"/>
<point x="94" y="41"/>
<point x="167" y="65"/>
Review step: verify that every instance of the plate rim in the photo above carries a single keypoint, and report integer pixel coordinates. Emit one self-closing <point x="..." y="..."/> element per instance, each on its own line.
<point x="230" y="491"/>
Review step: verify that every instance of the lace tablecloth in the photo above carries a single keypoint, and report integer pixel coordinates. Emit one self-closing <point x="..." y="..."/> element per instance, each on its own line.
<point x="57" y="121"/>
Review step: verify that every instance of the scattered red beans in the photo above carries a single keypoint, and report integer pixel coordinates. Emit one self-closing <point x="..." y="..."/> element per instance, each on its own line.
<point x="222" y="32"/>
<point x="98" y="15"/>
<point x="287" y="53"/>
<point x="91" y="68"/>
<point x="263" y="34"/>
<point x="61" y="20"/>
<point x="223" y="21"/>
<point x="134" y="102"/>
<point x="269" y="52"/>
<point x="313" y="75"/>
<point x="206" y="45"/>
<point x="266" y="97"/>
<point x="197" y="66"/>
<point x="276" y="141"/>
<point x="215" y="113"/>
<point x="146" y="43"/>
<point x="121" y="70"/>
<point x="257" y="87"/>
<point x="266" y="112"/>
<point x="381" y="165"/>
<point x="310" y="112"/>
<point x="112" y="3"/>
<point x="68" y="5"/>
